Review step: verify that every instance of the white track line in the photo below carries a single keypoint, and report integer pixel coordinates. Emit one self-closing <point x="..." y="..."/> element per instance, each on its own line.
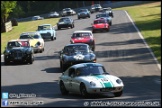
<point x="158" y="64"/>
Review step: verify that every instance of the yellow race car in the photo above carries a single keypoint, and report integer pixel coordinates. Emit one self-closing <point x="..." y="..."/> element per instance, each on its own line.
<point x="35" y="39"/>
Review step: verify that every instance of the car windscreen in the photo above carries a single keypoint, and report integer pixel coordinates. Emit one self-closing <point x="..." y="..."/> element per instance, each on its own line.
<point x="83" y="10"/>
<point x="67" y="9"/>
<point x="24" y="43"/>
<point x="91" y="70"/>
<point x="99" y="21"/>
<point x="64" y="20"/>
<point x="102" y="15"/>
<point x="25" y="37"/>
<point x="79" y="35"/>
<point x="75" y="49"/>
<point x="13" y="44"/>
<point x="45" y="27"/>
<point x="36" y="37"/>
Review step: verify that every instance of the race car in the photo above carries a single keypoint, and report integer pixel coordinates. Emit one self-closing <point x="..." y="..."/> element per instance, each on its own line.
<point x="18" y="50"/>
<point x="83" y="13"/>
<point x="35" y="39"/>
<point x="65" y="22"/>
<point x="47" y="31"/>
<point x="106" y="16"/>
<point x="108" y="11"/>
<point x="74" y="54"/>
<point x="83" y="36"/>
<point x="67" y="12"/>
<point x="100" y="24"/>
<point x="89" y="78"/>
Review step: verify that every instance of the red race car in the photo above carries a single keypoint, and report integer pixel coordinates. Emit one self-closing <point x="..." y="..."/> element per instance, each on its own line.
<point x="83" y="37"/>
<point x="100" y="24"/>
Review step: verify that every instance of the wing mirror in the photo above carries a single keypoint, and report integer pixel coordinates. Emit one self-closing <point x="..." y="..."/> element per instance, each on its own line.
<point x="62" y="73"/>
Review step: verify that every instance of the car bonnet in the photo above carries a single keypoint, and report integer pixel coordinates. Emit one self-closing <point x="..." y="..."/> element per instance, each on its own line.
<point x="102" y="80"/>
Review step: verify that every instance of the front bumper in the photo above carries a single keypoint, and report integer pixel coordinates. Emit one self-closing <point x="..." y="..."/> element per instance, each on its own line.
<point x="64" y="25"/>
<point x="18" y="57"/>
<point x="46" y="35"/>
<point x="104" y="90"/>
<point x="83" y="15"/>
<point x="99" y="29"/>
<point x="37" y="49"/>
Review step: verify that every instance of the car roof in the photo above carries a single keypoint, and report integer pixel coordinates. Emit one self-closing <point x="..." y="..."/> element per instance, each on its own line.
<point x="65" y="17"/>
<point x="76" y="44"/>
<point x="36" y="16"/>
<point x="102" y="18"/>
<point x="30" y="32"/>
<point x="13" y="40"/>
<point x="82" y="31"/>
<point x="44" y="24"/>
<point x="86" y="64"/>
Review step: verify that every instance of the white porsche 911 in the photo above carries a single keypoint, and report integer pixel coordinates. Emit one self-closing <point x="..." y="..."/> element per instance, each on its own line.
<point x="89" y="78"/>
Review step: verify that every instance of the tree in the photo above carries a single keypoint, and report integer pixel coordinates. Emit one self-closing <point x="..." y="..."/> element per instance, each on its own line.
<point x="6" y="8"/>
<point x="17" y="12"/>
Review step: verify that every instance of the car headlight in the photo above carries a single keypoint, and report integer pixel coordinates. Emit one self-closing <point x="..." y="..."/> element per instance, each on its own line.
<point x="7" y="52"/>
<point x="48" y="33"/>
<point x="119" y="81"/>
<point x="71" y="41"/>
<point x="92" y="83"/>
<point x="92" y="57"/>
<point x="37" y="44"/>
<point x="28" y="52"/>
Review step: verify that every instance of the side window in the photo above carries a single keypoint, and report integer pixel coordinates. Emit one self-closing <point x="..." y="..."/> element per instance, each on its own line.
<point x="71" y="72"/>
<point x="65" y="50"/>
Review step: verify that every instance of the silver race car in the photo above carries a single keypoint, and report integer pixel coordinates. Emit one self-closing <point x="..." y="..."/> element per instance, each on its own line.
<point x="89" y="78"/>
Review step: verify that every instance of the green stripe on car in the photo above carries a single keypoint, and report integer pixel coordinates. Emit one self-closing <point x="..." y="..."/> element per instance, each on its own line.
<point x="105" y="85"/>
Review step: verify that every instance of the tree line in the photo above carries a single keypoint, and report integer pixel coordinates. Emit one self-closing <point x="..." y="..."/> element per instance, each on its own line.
<point x="21" y="9"/>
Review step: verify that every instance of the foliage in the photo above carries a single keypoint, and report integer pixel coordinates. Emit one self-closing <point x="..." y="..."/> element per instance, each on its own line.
<point x="6" y="8"/>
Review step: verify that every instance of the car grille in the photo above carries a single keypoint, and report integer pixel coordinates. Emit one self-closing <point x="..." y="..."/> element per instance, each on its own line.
<point x="17" y="54"/>
<point x="107" y="89"/>
<point x="44" y="34"/>
<point x="68" y="13"/>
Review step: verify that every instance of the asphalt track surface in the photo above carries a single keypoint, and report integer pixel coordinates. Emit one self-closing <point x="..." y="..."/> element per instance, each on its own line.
<point x="121" y="51"/>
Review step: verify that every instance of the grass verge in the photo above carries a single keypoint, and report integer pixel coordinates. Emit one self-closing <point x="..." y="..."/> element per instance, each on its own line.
<point x="147" y="18"/>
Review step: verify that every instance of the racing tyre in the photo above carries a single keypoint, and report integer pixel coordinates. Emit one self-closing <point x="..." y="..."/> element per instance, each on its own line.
<point x="108" y="30"/>
<point x="41" y="51"/>
<point x="110" y="23"/>
<point x="60" y="65"/>
<point x="93" y="48"/>
<point x="118" y="94"/>
<point x="52" y="38"/>
<point x="63" y="68"/>
<point x="6" y="62"/>
<point x="83" y="91"/>
<point x="31" y="59"/>
<point x="63" y="89"/>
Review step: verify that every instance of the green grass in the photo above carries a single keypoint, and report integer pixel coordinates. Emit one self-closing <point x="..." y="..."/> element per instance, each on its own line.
<point x="147" y="18"/>
<point x="24" y="27"/>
